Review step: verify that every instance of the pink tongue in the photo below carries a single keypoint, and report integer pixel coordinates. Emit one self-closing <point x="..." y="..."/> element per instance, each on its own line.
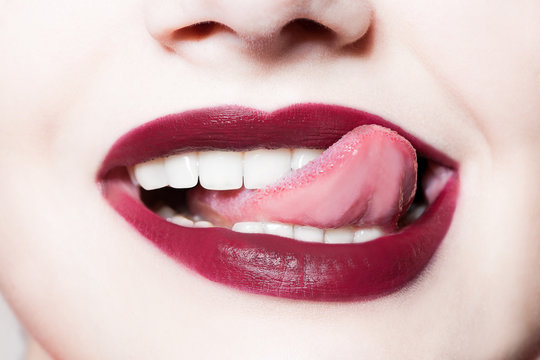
<point x="366" y="178"/>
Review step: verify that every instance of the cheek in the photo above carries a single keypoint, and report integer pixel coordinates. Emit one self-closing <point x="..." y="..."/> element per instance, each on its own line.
<point x="487" y="56"/>
<point x="50" y="50"/>
<point x="488" y="59"/>
<point x="53" y="50"/>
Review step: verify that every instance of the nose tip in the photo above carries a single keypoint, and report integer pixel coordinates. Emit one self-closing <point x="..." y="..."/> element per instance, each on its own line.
<point x="256" y="22"/>
<point x="262" y="22"/>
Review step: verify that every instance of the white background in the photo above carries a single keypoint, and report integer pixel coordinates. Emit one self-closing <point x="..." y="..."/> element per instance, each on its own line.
<point x="11" y="334"/>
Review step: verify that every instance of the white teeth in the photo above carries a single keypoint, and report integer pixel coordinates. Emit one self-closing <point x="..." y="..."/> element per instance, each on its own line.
<point x="165" y="212"/>
<point x="182" y="170"/>
<point x="249" y="227"/>
<point x="338" y="236"/>
<point x="151" y="174"/>
<point x="279" y="229"/>
<point x="227" y="170"/>
<point x="345" y="235"/>
<point x="308" y="233"/>
<point x="301" y="157"/>
<point x="364" y="235"/>
<point x="203" y="224"/>
<point x="265" y="167"/>
<point x="182" y="221"/>
<point x="220" y="170"/>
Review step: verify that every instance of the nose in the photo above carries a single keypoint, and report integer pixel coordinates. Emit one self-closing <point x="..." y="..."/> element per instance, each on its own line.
<point x="259" y="22"/>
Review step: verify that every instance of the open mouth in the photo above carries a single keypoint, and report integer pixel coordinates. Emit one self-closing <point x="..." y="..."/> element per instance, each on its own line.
<point x="312" y="201"/>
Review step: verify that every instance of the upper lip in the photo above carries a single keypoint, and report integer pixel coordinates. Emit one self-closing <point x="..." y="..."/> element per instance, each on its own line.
<point x="263" y="263"/>
<point x="239" y="128"/>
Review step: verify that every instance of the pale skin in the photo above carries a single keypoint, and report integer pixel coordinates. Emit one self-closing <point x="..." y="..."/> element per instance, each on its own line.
<point x="464" y="76"/>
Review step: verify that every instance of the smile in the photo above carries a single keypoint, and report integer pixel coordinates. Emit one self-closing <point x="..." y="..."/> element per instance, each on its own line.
<point x="313" y="202"/>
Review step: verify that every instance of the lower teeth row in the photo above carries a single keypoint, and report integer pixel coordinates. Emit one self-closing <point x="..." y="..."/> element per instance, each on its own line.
<point x="344" y="235"/>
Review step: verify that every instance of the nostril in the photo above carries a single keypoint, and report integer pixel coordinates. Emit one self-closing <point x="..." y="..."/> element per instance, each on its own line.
<point x="307" y="29"/>
<point x="311" y="26"/>
<point x="258" y="27"/>
<point x="199" y="31"/>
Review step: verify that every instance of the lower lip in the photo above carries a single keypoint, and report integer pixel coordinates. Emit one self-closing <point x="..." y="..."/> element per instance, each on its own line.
<point x="271" y="265"/>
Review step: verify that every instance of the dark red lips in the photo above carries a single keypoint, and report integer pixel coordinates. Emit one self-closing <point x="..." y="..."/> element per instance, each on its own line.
<point x="267" y="264"/>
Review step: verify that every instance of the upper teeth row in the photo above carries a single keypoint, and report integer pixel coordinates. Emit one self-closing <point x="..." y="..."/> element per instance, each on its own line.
<point x="222" y="170"/>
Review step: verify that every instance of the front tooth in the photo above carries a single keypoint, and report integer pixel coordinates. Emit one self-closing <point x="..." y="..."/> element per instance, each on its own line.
<point x="285" y="230"/>
<point x="301" y="157"/>
<point x="308" y="233"/>
<point x="364" y="235"/>
<point x="248" y="227"/>
<point x="338" y="236"/>
<point x="265" y="167"/>
<point x="182" y="170"/>
<point x="220" y="170"/>
<point x="151" y="174"/>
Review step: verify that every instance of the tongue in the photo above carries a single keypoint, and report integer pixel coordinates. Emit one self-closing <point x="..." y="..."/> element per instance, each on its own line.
<point x="366" y="178"/>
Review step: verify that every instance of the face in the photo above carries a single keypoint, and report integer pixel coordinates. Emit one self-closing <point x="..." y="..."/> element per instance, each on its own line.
<point x="461" y="77"/>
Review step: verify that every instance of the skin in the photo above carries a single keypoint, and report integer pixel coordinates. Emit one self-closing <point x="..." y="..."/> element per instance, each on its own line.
<point x="462" y="75"/>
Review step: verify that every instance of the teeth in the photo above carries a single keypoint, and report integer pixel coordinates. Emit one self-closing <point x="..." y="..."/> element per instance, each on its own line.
<point x="279" y="229"/>
<point x="249" y="227"/>
<point x="182" y="221"/>
<point x="343" y="235"/>
<point x="165" y="212"/>
<point x="203" y="224"/>
<point x="151" y="174"/>
<point x="220" y="170"/>
<point x="413" y="214"/>
<point x="227" y="170"/>
<point x="308" y="233"/>
<point x="182" y="170"/>
<point x="339" y="236"/>
<point x="301" y="157"/>
<point x="265" y="167"/>
<point x="364" y="235"/>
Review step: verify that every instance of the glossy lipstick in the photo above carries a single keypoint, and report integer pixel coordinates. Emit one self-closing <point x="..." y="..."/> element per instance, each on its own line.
<point x="267" y="264"/>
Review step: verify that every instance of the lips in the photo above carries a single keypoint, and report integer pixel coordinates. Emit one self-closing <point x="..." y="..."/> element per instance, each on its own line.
<point x="267" y="264"/>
